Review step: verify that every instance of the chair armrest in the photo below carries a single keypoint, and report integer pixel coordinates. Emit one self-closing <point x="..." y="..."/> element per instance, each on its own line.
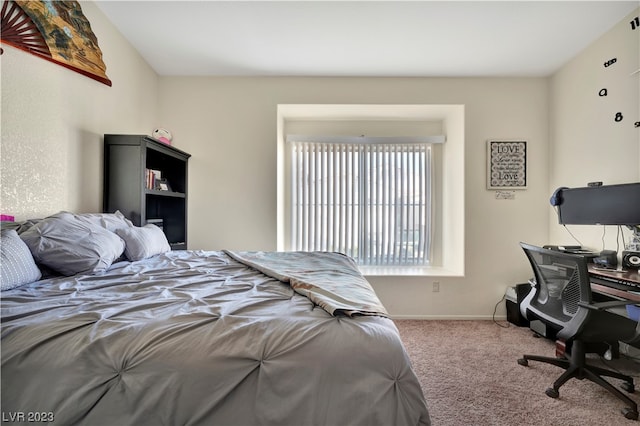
<point x="601" y="306"/>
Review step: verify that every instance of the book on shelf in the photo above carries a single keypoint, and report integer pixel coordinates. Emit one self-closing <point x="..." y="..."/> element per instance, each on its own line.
<point x="152" y="178"/>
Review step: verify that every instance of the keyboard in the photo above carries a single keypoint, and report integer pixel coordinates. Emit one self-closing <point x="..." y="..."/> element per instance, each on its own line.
<point x="615" y="282"/>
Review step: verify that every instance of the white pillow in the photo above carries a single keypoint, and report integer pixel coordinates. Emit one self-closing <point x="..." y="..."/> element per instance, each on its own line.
<point x="17" y="266"/>
<point x="143" y="242"/>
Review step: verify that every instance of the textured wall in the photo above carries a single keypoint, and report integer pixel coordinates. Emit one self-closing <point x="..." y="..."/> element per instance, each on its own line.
<point x="53" y="120"/>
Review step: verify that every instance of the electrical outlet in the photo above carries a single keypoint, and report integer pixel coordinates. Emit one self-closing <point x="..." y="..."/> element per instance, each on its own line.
<point x="436" y="286"/>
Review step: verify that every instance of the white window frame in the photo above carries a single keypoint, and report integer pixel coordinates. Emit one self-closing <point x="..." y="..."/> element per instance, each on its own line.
<point x="449" y="231"/>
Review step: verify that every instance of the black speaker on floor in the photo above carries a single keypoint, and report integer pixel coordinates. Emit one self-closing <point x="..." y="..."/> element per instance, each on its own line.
<point x="513" y="306"/>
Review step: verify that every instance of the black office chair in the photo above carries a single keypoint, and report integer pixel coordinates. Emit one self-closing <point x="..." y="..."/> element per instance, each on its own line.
<point x="562" y="299"/>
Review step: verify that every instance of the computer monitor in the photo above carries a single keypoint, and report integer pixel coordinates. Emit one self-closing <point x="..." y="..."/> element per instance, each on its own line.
<point x="600" y="205"/>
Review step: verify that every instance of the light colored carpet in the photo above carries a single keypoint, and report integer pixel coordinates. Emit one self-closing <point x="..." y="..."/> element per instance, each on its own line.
<point x="470" y="376"/>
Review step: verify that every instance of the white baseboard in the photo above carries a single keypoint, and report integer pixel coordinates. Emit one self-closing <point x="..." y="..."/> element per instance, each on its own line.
<point x="450" y="317"/>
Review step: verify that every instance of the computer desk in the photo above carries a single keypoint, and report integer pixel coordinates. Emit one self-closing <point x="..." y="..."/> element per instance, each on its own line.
<point x="628" y="275"/>
<point x="633" y="294"/>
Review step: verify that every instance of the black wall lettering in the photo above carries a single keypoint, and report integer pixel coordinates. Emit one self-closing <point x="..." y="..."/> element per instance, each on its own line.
<point x="602" y="92"/>
<point x="635" y="23"/>
<point x="610" y="62"/>
<point x="619" y="117"/>
<point x="636" y="124"/>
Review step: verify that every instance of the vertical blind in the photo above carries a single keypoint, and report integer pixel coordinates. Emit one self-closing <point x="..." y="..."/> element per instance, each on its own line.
<point x="369" y="201"/>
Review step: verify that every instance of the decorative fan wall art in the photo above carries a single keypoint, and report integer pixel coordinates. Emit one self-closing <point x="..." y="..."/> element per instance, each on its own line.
<point x="56" y="31"/>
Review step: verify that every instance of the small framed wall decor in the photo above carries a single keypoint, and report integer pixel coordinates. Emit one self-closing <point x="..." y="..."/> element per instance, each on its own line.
<point x="506" y="164"/>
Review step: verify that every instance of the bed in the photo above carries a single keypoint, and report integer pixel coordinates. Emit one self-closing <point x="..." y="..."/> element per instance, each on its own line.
<point x="160" y="337"/>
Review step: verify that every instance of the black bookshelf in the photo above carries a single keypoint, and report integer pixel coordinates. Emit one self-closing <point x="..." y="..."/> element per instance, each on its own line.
<point x="127" y="186"/>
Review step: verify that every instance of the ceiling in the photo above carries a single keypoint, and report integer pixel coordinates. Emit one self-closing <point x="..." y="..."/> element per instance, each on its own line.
<point x="362" y="38"/>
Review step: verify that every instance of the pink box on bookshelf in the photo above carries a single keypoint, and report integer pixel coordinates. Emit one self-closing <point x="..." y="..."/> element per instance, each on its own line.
<point x="6" y="218"/>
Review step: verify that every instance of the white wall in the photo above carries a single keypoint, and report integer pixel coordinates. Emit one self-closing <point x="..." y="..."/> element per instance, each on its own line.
<point x="53" y="121"/>
<point x="229" y="126"/>
<point x="587" y="145"/>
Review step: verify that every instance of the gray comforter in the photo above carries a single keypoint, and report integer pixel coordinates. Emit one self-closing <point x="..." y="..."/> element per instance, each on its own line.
<point x="191" y="338"/>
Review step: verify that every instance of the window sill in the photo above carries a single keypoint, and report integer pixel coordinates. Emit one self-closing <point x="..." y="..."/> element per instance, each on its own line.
<point x="408" y="271"/>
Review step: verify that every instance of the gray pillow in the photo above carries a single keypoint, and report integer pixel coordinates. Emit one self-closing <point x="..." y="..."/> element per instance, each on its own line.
<point x="20" y="227"/>
<point x="69" y="246"/>
<point x="17" y="266"/>
<point x="109" y="221"/>
<point x="143" y="242"/>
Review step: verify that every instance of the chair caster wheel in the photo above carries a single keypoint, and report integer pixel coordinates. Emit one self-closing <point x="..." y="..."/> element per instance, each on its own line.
<point x="523" y="362"/>
<point x="552" y="393"/>
<point x="629" y="387"/>
<point x="630" y="414"/>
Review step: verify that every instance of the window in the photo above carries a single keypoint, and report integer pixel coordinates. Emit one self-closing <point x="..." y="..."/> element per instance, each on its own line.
<point x="369" y="200"/>
<point x="444" y="129"/>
